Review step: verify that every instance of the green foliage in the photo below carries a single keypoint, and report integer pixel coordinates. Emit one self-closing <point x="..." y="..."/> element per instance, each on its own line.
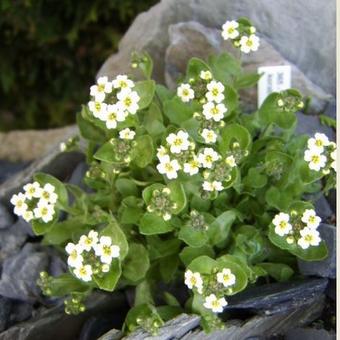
<point x="50" y="53"/>
<point x="218" y="224"/>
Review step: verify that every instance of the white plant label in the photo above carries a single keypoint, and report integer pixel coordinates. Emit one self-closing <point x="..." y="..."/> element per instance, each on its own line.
<point x="274" y="79"/>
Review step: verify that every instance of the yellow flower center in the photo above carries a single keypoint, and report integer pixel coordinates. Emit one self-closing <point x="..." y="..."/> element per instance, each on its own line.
<point x="215" y="91"/>
<point x="46" y="195"/>
<point x="208" y="159"/>
<point x="82" y="271"/>
<point x="97" y="106"/>
<point x="215" y="303"/>
<point x="112" y="116"/>
<point x="101" y="88"/>
<point x="168" y="167"/>
<point x="44" y="211"/>
<point x="193" y="281"/>
<point x="123" y="84"/>
<point x="231" y="30"/>
<point x="74" y="254"/>
<point x="107" y="250"/>
<point x="185" y="92"/>
<point x="249" y="43"/>
<point x="308" y="238"/>
<point x="315" y="159"/>
<point x="178" y="142"/>
<point x="127" y="101"/>
<point x="283" y="224"/>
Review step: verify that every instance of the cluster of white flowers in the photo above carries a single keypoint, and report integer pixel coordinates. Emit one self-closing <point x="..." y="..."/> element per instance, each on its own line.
<point x="161" y="203"/>
<point x="91" y="255"/>
<point x="113" y="101"/>
<point x="300" y="229"/>
<point x="36" y="202"/>
<point x="321" y="153"/>
<point x="225" y="279"/>
<point x="242" y="37"/>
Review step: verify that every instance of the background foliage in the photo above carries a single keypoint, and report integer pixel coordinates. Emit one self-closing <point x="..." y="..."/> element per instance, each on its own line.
<point x="50" y="52"/>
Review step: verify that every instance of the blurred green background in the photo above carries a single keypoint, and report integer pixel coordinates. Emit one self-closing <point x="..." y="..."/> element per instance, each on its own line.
<point x="50" y="52"/>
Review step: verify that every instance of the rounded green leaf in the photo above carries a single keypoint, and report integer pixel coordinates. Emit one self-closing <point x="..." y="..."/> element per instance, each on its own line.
<point x="126" y="187"/>
<point x="234" y="133"/>
<point x="106" y="153"/>
<point x="192" y="236"/>
<point x="279" y="271"/>
<point x="146" y="91"/>
<point x="136" y="264"/>
<point x="143" y="152"/>
<point x="228" y="261"/>
<point x="203" y="265"/>
<point x="194" y="68"/>
<point x="177" y="111"/>
<point x="40" y="228"/>
<point x="151" y="224"/>
<point x="188" y="254"/>
<point x="178" y="196"/>
<point x="109" y="281"/>
<point x="148" y="191"/>
<point x="218" y="231"/>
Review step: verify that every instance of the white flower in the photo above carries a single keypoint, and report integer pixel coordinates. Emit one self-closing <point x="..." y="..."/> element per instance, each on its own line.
<point x="215" y="304"/>
<point x="280" y="103"/>
<point x="215" y="91"/>
<point x="62" y="146"/>
<point x="106" y="250"/>
<point x="87" y="242"/>
<point x="209" y="136"/>
<point x="128" y="100"/>
<point x="250" y="43"/>
<point x="122" y="82"/>
<point x="83" y="272"/>
<point x="47" y="194"/>
<point x="127" y="134"/>
<point x="281" y="223"/>
<point x="75" y="258"/>
<point x="315" y="158"/>
<point x="45" y="211"/>
<point x="98" y="109"/>
<point x="230" y="160"/>
<point x="178" y="142"/>
<point x="28" y="215"/>
<point x="192" y="166"/>
<point x="32" y="190"/>
<point x="185" y="92"/>
<point x="318" y="143"/>
<point x="105" y="268"/>
<point x="214" y="111"/>
<point x="226" y="277"/>
<point x="208" y="157"/>
<point x="113" y="115"/>
<point x="98" y="91"/>
<point x="19" y="203"/>
<point x="205" y="75"/>
<point x="212" y="186"/>
<point x="161" y="152"/>
<point x="168" y="167"/>
<point x="309" y="237"/>
<point x="309" y="217"/>
<point x="192" y="280"/>
<point x="229" y="30"/>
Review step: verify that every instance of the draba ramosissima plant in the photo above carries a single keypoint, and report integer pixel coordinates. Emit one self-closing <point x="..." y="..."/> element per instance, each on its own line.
<point x="184" y="186"/>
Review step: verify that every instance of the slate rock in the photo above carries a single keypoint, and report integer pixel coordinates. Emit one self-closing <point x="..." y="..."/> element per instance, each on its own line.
<point x="313" y="54"/>
<point x="8" y="169"/>
<point x="24" y="226"/>
<point x="192" y="39"/>
<point x="6" y="219"/>
<point x="78" y="175"/>
<point x="309" y="334"/>
<point x="276" y="298"/>
<point x="20" y="311"/>
<point x="20" y="273"/>
<point x="55" y="324"/>
<point x="322" y="208"/>
<point x="11" y="240"/>
<point x="5" y="311"/>
<point x="327" y="267"/>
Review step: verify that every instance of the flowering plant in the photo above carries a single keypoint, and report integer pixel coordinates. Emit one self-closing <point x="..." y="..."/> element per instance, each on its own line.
<point x="184" y="186"/>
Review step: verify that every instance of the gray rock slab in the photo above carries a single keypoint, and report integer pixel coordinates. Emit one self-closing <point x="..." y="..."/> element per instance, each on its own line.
<point x="289" y="27"/>
<point x="6" y="219"/>
<point x="20" y="273"/>
<point x="5" y="311"/>
<point x="327" y="267"/>
<point x="309" y="334"/>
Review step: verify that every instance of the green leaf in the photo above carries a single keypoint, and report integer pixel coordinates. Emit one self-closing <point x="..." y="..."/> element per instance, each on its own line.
<point x="146" y="91"/>
<point x="203" y="265"/>
<point x="40" y="227"/>
<point x="88" y="130"/>
<point x="307" y="175"/>
<point x="255" y="179"/>
<point x="313" y="253"/>
<point x="65" y="284"/>
<point x="159" y="247"/>
<point x="60" y="189"/>
<point x="137" y="263"/>
<point x="328" y="121"/>
<point x="171" y="300"/>
<point x="194" y="68"/>
<point x="109" y="281"/>
<point x="279" y="271"/>
<point x="192" y="236"/>
<point x="246" y="80"/>
<point x="177" y="111"/>
<point x="219" y="230"/>
<point x="188" y="254"/>
<point x="61" y="232"/>
<point x="148" y="191"/>
<point x="236" y="267"/>
<point x="126" y="187"/>
<point x="143" y="152"/>
<point x="153" y="120"/>
<point x="143" y="294"/>
<point x="231" y="99"/>
<point x="106" y="153"/>
<point x="234" y="133"/>
<point x="168" y="266"/>
<point x="151" y="224"/>
<point x="224" y="66"/>
<point x="280" y="163"/>
<point x="131" y="210"/>
<point x="118" y="238"/>
<point x="277" y="198"/>
<point x="177" y="195"/>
